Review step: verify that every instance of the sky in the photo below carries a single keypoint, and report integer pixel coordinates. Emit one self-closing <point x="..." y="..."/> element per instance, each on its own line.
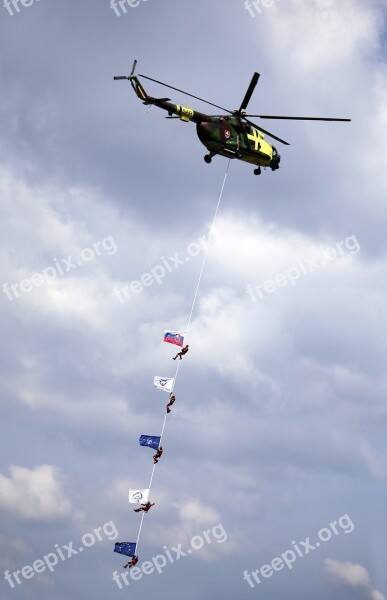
<point x="274" y="472"/>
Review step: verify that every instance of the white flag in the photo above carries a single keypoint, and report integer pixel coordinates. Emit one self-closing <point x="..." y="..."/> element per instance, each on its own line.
<point x="138" y="496"/>
<point x="164" y="383"/>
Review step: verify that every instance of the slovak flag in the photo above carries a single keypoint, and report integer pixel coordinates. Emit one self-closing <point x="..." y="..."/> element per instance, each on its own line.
<point x="174" y="337"/>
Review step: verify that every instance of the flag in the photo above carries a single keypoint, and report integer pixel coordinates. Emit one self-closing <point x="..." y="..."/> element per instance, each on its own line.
<point x="174" y="337"/>
<point x="164" y="383"/>
<point x="150" y="440"/>
<point x="126" y="548"/>
<point x="138" y="496"/>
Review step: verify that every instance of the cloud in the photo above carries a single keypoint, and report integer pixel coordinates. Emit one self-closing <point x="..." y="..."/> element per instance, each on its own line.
<point x="329" y="49"/>
<point x="34" y="494"/>
<point x="11" y="550"/>
<point x="353" y="575"/>
<point x="281" y="402"/>
<point x="193" y="511"/>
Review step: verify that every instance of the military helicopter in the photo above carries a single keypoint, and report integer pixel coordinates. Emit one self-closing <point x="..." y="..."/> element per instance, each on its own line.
<point x="232" y="135"/>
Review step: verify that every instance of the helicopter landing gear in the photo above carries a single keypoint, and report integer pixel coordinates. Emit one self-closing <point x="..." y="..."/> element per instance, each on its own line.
<point x="238" y="154"/>
<point x="257" y="171"/>
<point x="208" y="157"/>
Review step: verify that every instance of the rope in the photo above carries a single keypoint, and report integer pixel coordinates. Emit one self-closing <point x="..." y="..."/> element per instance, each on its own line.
<point x="186" y="331"/>
<point x="139" y="530"/>
<point x="208" y="246"/>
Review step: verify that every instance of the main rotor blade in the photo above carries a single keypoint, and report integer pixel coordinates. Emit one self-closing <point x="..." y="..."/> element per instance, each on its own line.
<point x="186" y="93"/>
<point x="250" y="89"/>
<point x="133" y="68"/>
<point x="268" y="133"/>
<point x="298" y="118"/>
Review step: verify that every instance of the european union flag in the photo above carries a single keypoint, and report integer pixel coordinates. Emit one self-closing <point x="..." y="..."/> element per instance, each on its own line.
<point x="152" y="441"/>
<point x="126" y="548"/>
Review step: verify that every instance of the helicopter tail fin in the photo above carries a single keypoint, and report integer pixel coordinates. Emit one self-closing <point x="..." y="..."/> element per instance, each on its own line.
<point x="141" y="93"/>
<point x="136" y="85"/>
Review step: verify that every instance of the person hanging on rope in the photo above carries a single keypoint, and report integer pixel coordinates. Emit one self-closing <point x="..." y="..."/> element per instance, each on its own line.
<point x="144" y="507"/>
<point x="132" y="563"/>
<point x="157" y="455"/>
<point x="171" y="401"/>
<point x="182" y="352"/>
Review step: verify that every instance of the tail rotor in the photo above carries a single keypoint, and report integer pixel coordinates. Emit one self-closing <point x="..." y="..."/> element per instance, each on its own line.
<point x="129" y="77"/>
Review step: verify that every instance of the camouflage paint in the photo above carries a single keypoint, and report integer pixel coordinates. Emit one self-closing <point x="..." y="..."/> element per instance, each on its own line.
<point x="228" y="136"/>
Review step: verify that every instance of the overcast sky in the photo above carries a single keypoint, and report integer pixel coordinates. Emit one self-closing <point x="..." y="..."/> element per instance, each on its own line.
<point x="278" y="431"/>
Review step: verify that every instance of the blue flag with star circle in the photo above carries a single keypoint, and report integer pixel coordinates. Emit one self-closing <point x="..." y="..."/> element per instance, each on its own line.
<point x="126" y="548"/>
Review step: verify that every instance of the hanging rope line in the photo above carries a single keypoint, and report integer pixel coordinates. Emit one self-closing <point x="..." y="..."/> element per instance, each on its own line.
<point x="186" y="331"/>
<point x="208" y="246"/>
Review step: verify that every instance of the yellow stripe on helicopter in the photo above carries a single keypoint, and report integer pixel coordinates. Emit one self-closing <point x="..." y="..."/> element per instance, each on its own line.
<point x="186" y="113"/>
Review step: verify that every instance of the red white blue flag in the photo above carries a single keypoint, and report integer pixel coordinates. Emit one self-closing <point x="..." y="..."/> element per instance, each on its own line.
<point x="174" y="337"/>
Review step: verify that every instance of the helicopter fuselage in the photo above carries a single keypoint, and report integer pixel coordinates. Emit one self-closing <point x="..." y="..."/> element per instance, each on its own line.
<point x="226" y="135"/>
<point x="229" y="136"/>
<point x="232" y="135"/>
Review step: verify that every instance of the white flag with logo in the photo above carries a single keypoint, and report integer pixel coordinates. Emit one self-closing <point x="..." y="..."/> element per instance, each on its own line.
<point x="138" y="496"/>
<point x="164" y="383"/>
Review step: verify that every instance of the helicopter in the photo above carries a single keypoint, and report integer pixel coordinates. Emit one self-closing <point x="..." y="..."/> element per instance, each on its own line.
<point x="231" y="135"/>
